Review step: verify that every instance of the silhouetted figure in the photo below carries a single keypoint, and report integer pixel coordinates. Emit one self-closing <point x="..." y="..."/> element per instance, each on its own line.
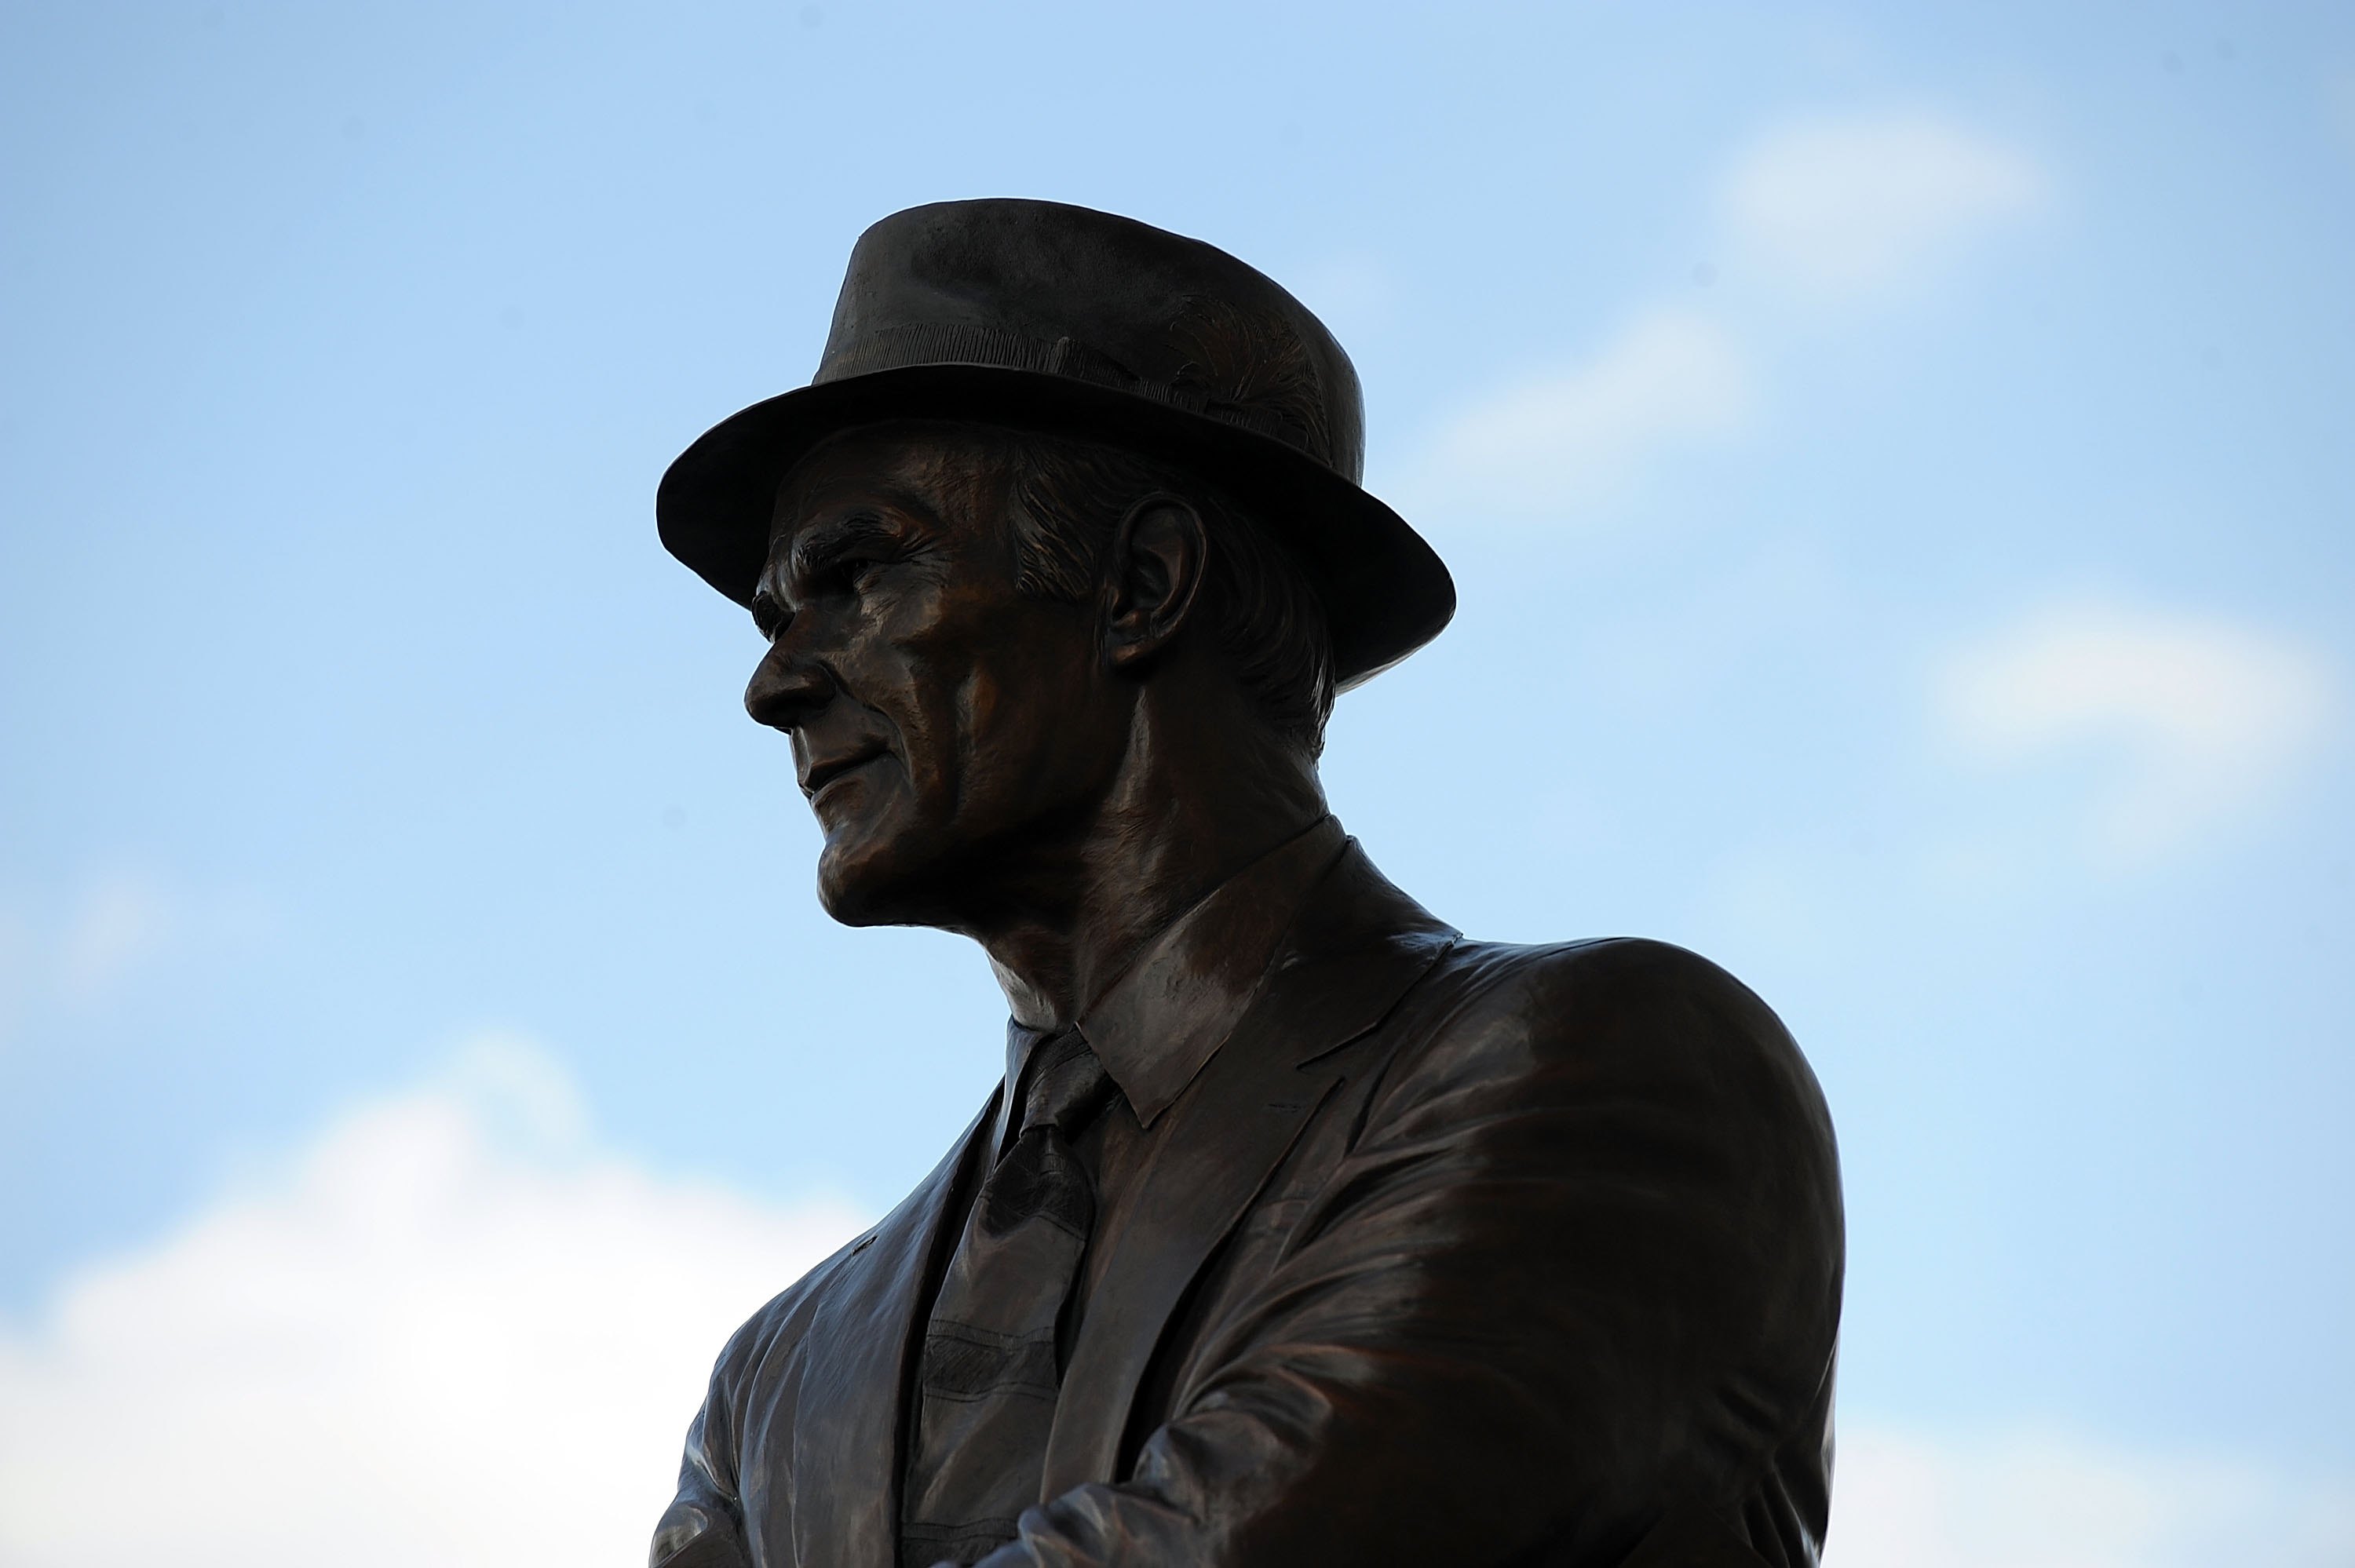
<point x="1301" y="1231"/>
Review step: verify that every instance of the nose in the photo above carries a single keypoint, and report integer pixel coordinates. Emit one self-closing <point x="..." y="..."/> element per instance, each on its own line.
<point x="786" y="690"/>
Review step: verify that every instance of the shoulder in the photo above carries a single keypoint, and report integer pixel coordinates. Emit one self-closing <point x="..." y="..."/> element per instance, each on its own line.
<point x="1591" y="997"/>
<point x="764" y="1349"/>
<point x="1622" y="1020"/>
<point x="1632" y="990"/>
<point x="750" y="1367"/>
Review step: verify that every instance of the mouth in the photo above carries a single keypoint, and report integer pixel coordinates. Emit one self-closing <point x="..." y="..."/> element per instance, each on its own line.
<point x="826" y="772"/>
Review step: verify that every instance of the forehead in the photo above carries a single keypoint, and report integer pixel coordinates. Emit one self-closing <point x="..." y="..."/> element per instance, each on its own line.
<point x="933" y="474"/>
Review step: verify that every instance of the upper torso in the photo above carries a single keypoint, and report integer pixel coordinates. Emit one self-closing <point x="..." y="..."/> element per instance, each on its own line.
<point x="1416" y="1184"/>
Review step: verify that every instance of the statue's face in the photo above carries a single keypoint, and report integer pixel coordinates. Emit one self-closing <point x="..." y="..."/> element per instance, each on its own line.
<point x="949" y="732"/>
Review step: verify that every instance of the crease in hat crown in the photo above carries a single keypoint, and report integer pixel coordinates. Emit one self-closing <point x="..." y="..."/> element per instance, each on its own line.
<point x="1043" y="316"/>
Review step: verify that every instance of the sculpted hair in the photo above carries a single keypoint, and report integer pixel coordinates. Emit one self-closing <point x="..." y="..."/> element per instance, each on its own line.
<point x="1064" y="498"/>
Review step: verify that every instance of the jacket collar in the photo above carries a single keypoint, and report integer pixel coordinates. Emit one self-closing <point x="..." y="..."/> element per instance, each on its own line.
<point x="1180" y="996"/>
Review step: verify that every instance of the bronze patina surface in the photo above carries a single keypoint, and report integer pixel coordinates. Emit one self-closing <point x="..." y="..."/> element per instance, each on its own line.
<point x="1302" y="1230"/>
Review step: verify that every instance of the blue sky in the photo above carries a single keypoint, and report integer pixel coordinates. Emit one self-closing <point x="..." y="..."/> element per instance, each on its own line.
<point x="1894" y="465"/>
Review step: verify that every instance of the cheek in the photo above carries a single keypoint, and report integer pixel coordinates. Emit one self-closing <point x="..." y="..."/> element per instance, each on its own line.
<point x="990" y="694"/>
<point x="911" y="670"/>
<point x="1033" y="733"/>
<point x="989" y="719"/>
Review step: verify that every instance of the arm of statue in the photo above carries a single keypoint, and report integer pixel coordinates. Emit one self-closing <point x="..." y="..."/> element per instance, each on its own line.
<point x="1580" y="1270"/>
<point x="703" y="1525"/>
<point x="690" y="1537"/>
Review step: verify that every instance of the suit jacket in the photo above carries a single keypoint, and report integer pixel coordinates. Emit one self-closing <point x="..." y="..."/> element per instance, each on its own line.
<point x="1453" y="1253"/>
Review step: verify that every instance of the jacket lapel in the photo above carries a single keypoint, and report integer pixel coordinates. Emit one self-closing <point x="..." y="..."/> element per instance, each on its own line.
<point x="1356" y="946"/>
<point x="846" y="1474"/>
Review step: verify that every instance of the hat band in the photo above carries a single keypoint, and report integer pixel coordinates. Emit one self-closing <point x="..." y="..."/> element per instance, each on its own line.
<point x="995" y="348"/>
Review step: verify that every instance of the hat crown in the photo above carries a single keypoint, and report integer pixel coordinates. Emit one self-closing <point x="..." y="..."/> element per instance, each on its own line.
<point x="1039" y="316"/>
<point x="1049" y="289"/>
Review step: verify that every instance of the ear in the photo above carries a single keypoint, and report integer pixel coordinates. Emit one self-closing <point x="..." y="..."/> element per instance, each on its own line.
<point x="1157" y="557"/>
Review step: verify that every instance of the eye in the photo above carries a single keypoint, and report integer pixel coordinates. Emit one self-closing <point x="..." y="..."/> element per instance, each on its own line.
<point x="769" y="618"/>
<point x="856" y="572"/>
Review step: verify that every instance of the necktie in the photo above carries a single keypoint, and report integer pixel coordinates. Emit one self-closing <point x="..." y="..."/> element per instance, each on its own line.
<point x="989" y="1375"/>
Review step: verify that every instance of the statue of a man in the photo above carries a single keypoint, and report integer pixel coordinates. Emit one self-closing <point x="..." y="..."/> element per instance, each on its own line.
<point x="1301" y="1230"/>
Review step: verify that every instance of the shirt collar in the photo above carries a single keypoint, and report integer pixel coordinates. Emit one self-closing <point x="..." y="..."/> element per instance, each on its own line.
<point x="1182" y="995"/>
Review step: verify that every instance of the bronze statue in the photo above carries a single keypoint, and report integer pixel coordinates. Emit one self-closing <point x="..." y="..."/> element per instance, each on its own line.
<point x="1302" y="1230"/>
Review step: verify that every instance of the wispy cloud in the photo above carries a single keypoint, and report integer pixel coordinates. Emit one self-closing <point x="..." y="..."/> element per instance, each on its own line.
<point x="451" y="1331"/>
<point x="2340" y="107"/>
<point x="1841" y="206"/>
<point x="1913" y="1500"/>
<point x="82" y="947"/>
<point x="1849" y="202"/>
<point x="121" y="920"/>
<point x="1553" y="442"/>
<point x="2195" y="718"/>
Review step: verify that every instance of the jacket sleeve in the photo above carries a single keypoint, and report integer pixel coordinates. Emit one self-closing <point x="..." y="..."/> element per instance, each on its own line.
<point x="1578" y="1271"/>
<point x="704" y="1526"/>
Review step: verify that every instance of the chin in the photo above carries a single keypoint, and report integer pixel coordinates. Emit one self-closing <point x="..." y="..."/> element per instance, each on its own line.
<point x="863" y="882"/>
<point x="846" y="895"/>
<point x="912" y="868"/>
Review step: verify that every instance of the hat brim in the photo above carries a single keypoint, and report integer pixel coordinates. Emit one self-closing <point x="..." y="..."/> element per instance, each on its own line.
<point x="1385" y="591"/>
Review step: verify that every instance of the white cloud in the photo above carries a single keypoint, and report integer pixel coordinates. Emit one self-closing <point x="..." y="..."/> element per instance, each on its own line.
<point x="1841" y="204"/>
<point x="449" y="1332"/>
<point x="2200" y="717"/>
<point x="1670" y="380"/>
<point x="2037" y="1500"/>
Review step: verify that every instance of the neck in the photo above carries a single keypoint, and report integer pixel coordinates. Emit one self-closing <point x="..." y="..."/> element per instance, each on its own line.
<point x="1200" y="793"/>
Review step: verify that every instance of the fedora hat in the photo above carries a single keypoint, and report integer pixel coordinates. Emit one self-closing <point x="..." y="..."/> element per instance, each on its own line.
<point x="1039" y="316"/>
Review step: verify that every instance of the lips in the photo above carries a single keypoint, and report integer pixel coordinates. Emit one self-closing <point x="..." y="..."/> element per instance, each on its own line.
<point x="823" y="771"/>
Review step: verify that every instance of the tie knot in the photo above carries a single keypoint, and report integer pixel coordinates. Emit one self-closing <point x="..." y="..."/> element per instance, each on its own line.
<point x="1068" y="1085"/>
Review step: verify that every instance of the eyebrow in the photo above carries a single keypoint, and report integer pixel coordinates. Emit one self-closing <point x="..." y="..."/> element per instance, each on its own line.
<point x="814" y="550"/>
